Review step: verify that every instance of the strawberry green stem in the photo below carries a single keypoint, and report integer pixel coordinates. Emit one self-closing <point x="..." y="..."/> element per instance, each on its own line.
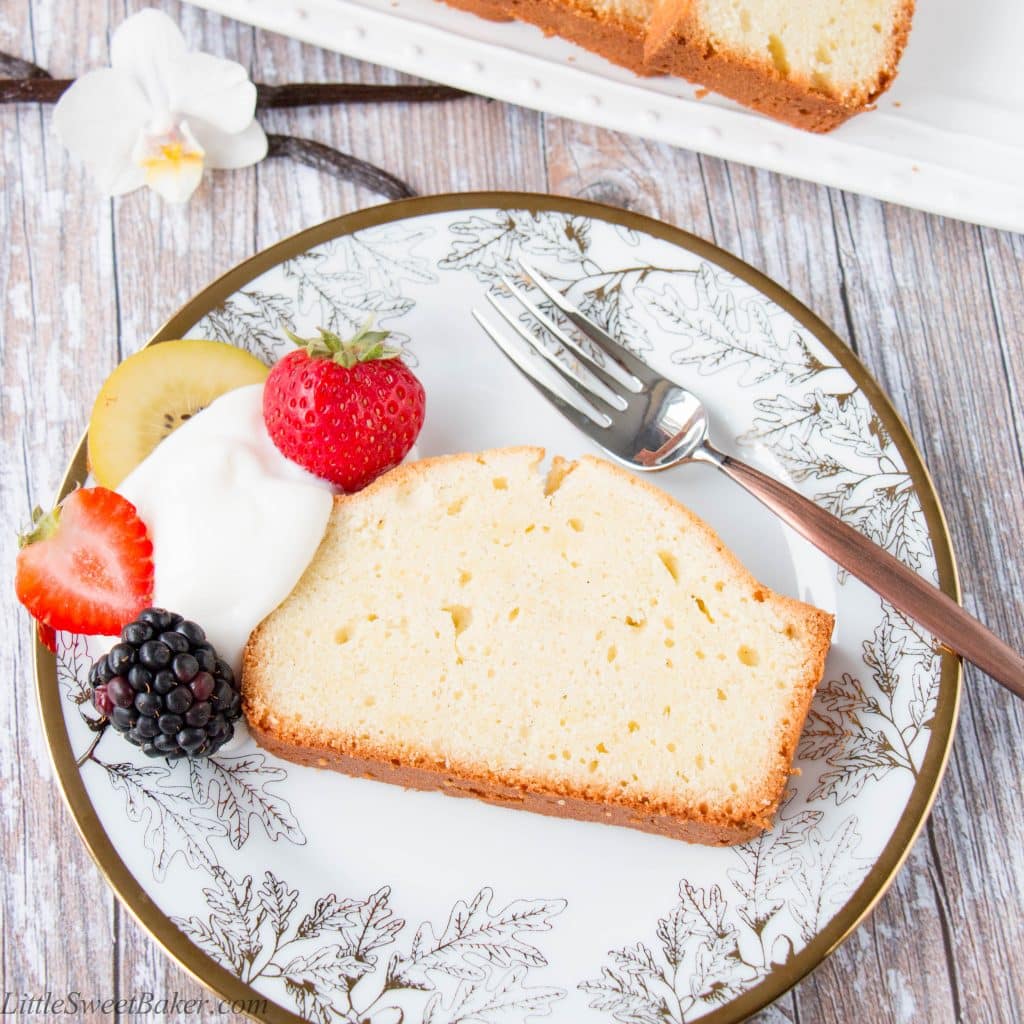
<point x="365" y="346"/>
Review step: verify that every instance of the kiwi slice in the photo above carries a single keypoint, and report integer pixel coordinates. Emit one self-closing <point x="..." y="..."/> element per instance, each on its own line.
<point x="156" y="390"/>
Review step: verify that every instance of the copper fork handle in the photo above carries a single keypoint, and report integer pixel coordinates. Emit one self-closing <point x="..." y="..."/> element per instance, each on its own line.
<point x="896" y="583"/>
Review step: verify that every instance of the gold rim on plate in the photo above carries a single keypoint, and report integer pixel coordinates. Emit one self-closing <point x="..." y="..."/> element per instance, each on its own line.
<point x="894" y="853"/>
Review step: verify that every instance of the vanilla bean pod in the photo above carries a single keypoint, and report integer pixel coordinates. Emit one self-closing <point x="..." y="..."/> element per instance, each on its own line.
<point x="311" y="94"/>
<point x="24" y="82"/>
<point x="15" y="67"/>
<point x="341" y="165"/>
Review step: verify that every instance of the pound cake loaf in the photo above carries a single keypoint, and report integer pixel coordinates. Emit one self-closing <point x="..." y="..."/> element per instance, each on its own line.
<point x="812" y="65"/>
<point x="575" y="643"/>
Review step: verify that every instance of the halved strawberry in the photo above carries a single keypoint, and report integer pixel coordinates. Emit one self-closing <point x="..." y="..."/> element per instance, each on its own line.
<point x="87" y="566"/>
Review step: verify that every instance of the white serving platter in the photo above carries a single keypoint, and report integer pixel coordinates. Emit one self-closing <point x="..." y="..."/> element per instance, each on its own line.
<point x="948" y="137"/>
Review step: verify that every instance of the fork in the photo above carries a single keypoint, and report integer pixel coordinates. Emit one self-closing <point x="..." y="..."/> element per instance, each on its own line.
<point x="651" y="424"/>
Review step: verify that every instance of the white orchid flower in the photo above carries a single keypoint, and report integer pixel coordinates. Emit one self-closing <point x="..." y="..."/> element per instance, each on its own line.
<point x="159" y="114"/>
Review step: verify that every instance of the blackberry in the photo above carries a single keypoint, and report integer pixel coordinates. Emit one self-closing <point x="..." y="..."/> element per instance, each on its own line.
<point x="163" y="687"/>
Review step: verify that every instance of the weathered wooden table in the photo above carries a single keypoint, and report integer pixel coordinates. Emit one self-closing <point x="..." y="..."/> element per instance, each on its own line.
<point x="934" y="307"/>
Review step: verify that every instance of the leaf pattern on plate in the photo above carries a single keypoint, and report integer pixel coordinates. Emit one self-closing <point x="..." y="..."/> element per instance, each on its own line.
<point x="718" y="941"/>
<point x="237" y="789"/>
<point x="476" y="935"/>
<point x="338" y="285"/>
<point x="503" y="1001"/>
<point x="864" y="728"/>
<point x="252" y="320"/>
<point x="474" y="968"/>
<point x="725" y="332"/>
<point x="168" y="812"/>
<point x="187" y="804"/>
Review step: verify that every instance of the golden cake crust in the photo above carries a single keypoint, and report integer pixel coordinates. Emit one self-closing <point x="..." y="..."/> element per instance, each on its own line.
<point x="616" y="39"/>
<point x="491" y="10"/>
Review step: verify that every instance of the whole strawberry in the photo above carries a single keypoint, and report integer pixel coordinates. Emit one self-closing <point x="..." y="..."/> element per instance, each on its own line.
<point x="345" y="410"/>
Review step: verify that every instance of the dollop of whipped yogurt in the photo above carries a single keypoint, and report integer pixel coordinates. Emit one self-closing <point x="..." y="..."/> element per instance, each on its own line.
<point x="234" y="523"/>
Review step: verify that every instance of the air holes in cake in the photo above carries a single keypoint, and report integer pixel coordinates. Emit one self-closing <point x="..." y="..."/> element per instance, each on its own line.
<point x="670" y="747"/>
<point x="513" y="615"/>
<point x="669" y="642"/>
<point x="699" y="655"/>
<point x="745" y="22"/>
<point x="601" y="748"/>
<point x="671" y="564"/>
<point x="612" y="653"/>
<point x="721" y="694"/>
<point x="636" y="622"/>
<point x="530" y="528"/>
<point x="748" y="656"/>
<point x="560" y="469"/>
<point x="703" y="608"/>
<point x="719" y="586"/>
<point x="461" y="617"/>
<point x="455" y="507"/>
<point x="667" y="710"/>
<point x="790" y="632"/>
<point x="778" y="54"/>
<point x="464" y="577"/>
<point x="760" y="596"/>
<point x="368" y="702"/>
<point x="371" y="617"/>
<point x="576" y="524"/>
<point x="633" y="726"/>
<point x="342" y="635"/>
<point x="592" y="767"/>
<point x="500" y="483"/>
<point x="566" y="755"/>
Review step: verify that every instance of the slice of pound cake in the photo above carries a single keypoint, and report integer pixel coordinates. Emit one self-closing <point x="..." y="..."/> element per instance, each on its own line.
<point x="575" y="643"/>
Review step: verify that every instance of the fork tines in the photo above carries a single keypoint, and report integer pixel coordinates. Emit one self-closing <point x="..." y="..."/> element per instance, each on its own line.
<point x="602" y="376"/>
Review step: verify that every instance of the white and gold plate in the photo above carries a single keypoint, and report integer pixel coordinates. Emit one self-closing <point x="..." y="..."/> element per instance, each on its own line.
<point x="340" y="899"/>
